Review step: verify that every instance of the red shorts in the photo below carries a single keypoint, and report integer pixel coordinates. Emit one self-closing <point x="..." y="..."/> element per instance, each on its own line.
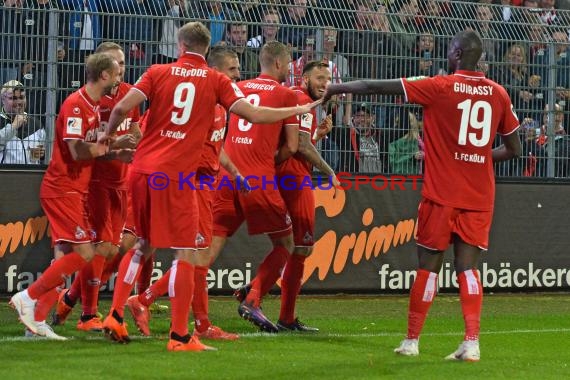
<point x="68" y="219"/>
<point x="438" y="223"/>
<point x="130" y="219"/>
<point x="263" y="209"/>
<point x="206" y="222"/>
<point x="166" y="218"/>
<point x="107" y="212"/>
<point x="301" y="205"/>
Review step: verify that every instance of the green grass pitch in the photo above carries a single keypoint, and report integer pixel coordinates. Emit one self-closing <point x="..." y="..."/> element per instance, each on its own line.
<point x="522" y="337"/>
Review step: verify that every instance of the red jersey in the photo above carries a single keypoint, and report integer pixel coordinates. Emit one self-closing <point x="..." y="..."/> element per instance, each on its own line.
<point x="252" y="147"/>
<point x="210" y="161"/>
<point x="113" y="173"/>
<point x="298" y="165"/>
<point x="462" y="114"/>
<point x="78" y="119"/>
<point x="183" y="96"/>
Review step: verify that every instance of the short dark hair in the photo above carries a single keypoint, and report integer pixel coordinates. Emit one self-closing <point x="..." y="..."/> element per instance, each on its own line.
<point x="314" y="65"/>
<point x="218" y="53"/>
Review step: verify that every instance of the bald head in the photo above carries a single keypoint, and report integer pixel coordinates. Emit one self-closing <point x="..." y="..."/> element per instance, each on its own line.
<point x="465" y="51"/>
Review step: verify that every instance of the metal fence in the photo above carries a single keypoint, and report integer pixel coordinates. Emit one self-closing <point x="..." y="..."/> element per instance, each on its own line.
<point x="44" y="44"/>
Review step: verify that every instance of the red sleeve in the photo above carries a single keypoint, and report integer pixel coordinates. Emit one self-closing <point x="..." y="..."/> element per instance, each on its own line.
<point x="144" y="85"/>
<point x="421" y="90"/>
<point x="305" y="120"/>
<point x="228" y="92"/>
<point x="290" y="101"/>
<point x="75" y="124"/>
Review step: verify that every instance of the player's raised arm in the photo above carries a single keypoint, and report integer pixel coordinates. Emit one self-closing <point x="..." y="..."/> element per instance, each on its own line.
<point x="266" y="115"/>
<point x="365" y="87"/>
<point x="133" y="99"/>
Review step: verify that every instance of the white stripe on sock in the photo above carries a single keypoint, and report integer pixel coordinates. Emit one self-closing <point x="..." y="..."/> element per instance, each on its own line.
<point x="430" y="289"/>
<point x="133" y="268"/>
<point x="172" y="279"/>
<point x="472" y="282"/>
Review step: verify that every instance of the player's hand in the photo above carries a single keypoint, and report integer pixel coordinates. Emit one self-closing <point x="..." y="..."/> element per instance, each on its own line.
<point x="104" y="138"/>
<point x="308" y="107"/>
<point x="125" y="155"/>
<point x="242" y="184"/>
<point x="127" y="141"/>
<point x="324" y="127"/>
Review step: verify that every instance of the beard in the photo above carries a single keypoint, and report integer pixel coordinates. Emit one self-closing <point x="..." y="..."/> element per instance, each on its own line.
<point x="313" y="92"/>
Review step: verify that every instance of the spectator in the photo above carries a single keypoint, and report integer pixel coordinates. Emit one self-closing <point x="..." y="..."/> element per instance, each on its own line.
<point x="11" y="43"/>
<point x="522" y="86"/>
<point x="298" y="23"/>
<point x="561" y="64"/>
<point x="236" y="38"/>
<point x="218" y="15"/>
<point x="548" y="14"/>
<point x="406" y="155"/>
<point x="403" y="22"/>
<point x="176" y="13"/>
<point x="39" y="19"/>
<point x="83" y="27"/>
<point x="483" y="24"/>
<point x="341" y="107"/>
<point x="336" y="12"/>
<point x="22" y="137"/>
<point x="424" y="64"/>
<point x="270" y="27"/>
<point x="370" y="44"/>
<point x="131" y="22"/>
<point x="364" y="138"/>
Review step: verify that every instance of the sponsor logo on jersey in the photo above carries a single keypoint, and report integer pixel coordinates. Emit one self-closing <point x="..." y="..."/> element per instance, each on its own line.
<point x="74" y="125"/>
<point x="237" y="90"/>
<point x="307" y="120"/>
<point x="80" y="233"/>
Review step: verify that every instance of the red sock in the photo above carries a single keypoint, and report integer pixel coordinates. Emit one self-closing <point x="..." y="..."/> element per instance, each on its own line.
<point x="90" y="284"/>
<point x="146" y="274"/>
<point x="53" y="275"/>
<point x="45" y="303"/>
<point x="200" y="300"/>
<point x="74" y="292"/>
<point x="421" y="297"/>
<point x="471" y="296"/>
<point x="290" y="286"/>
<point x="253" y="297"/>
<point x="157" y="289"/>
<point x="270" y="269"/>
<point x="180" y="289"/>
<point x="111" y="266"/>
<point x="129" y="270"/>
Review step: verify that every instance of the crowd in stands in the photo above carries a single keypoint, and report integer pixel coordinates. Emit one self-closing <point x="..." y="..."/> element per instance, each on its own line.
<point x="525" y="49"/>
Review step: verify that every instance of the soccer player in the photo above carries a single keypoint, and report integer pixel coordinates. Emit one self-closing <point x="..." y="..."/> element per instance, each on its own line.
<point x="462" y="114"/>
<point x="63" y="193"/>
<point x="295" y="175"/>
<point x="295" y="182"/>
<point x="252" y="147"/>
<point x="107" y="203"/>
<point x="182" y="99"/>
<point x="225" y="61"/>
